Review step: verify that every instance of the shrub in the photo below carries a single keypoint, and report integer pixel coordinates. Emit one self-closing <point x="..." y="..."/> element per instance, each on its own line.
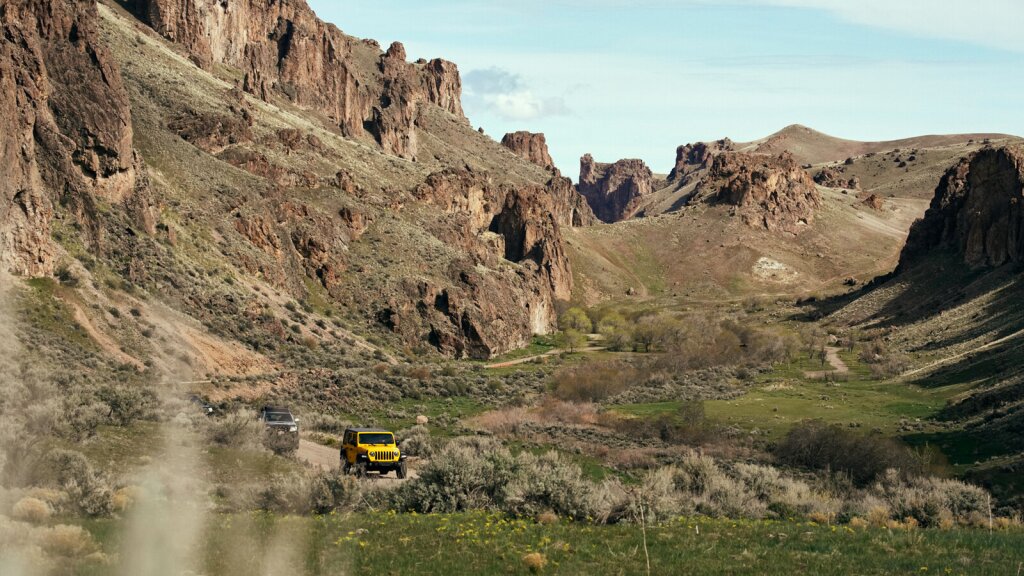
<point x="416" y="441"/>
<point x="932" y="501"/>
<point x="32" y="510"/>
<point x="548" y="483"/>
<point x="817" y="445"/>
<point x="128" y="403"/>
<point x="594" y="382"/>
<point x="86" y="489"/>
<point x="240" y="429"/>
<point x="67" y="541"/>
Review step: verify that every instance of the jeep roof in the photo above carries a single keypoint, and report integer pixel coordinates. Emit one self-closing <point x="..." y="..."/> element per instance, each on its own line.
<point x="367" y="430"/>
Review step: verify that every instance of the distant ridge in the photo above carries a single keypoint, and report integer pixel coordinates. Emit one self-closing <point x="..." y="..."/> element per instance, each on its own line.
<point x="810" y="146"/>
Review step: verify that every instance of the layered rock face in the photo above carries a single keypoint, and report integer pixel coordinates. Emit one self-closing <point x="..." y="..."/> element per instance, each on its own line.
<point x="692" y="158"/>
<point x="614" y="191"/>
<point x="772" y="192"/>
<point x="530" y="147"/>
<point x="285" y="51"/>
<point x="65" y="130"/>
<point x="977" y="212"/>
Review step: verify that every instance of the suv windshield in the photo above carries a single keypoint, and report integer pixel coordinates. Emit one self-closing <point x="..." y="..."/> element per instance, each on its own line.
<point x="279" y="417"/>
<point x="376" y="438"/>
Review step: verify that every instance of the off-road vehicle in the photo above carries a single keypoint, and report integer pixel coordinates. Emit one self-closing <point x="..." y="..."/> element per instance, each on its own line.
<point x="282" y="428"/>
<point x="371" y="450"/>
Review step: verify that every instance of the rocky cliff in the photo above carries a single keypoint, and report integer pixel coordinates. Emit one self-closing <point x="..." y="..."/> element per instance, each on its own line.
<point x="772" y="192"/>
<point x="65" y="132"/>
<point x="976" y="212"/>
<point x="530" y="147"/>
<point x="614" y="191"/>
<point x="692" y="158"/>
<point x="286" y="52"/>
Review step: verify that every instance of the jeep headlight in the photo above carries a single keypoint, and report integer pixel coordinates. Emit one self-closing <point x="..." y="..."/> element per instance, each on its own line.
<point x="293" y="428"/>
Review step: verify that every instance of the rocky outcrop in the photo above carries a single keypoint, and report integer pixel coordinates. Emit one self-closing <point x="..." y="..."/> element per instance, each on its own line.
<point x="614" y="191"/>
<point x="834" y="177"/>
<point x="569" y="207"/>
<point x="480" y="314"/>
<point x="977" y="212"/>
<point x="530" y="147"/>
<point x="286" y="52"/>
<point x="693" y="158"/>
<point x="874" y="202"/>
<point x="772" y="192"/>
<point x="65" y="131"/>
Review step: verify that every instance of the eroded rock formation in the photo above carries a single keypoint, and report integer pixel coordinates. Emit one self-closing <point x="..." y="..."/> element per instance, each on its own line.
<point x="614" y="191"/>
<point x="530" y="147"/>
<point x="481" y="314"/>
<point x="285" y="51"/>
<point x="977" y="212"/>
<point x="65" y="131"/>
<point x="772" y="192"/>
<point x="692" y="158"/>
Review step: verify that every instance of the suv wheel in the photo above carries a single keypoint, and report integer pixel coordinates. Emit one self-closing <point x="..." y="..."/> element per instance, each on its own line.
<point x="360" y="470"/>
<point x="400" y="471"/>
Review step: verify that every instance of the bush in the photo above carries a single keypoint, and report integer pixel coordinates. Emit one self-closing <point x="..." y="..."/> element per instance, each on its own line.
<point x="817" y="445"/>
<point x="416" y="441"/>
<point x="32" y="510"/>
<point x="932" y="501"/>
<point x="594" y="382"/>
<point x="473" y="474"/>
<point x="87" y="490"/>
<point x="67" y="541"/>
<point x="240" y="429"/>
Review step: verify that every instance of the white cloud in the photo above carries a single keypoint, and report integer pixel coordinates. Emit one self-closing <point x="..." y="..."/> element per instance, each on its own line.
<point x="503" y="93"/>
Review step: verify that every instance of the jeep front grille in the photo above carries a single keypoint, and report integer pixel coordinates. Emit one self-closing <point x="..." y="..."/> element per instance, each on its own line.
<point x="383" y="455"/>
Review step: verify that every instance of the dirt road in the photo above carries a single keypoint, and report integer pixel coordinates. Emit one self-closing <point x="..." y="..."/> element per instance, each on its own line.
<point x="327" y="458"/>
<point x="838" y="366"/>
<point x="553" y="352"/>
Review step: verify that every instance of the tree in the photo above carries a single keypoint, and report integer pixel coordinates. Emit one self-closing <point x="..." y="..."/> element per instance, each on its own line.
<point x="572" y="340"/>
<point x="575" y="319"/>
<point x="615" y="330"/>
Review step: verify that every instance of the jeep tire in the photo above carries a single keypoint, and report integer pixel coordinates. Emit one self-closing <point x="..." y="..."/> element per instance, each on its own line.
<point x="360" y="470"/>
<point x="400" y="471"/>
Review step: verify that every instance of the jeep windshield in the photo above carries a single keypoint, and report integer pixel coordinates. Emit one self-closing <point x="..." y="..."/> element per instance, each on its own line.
<point x="279" y="417"/>
<point x="376" y="438"/>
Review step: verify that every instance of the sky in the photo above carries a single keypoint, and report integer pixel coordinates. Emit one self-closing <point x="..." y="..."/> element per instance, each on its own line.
<point x="635" y="79"/>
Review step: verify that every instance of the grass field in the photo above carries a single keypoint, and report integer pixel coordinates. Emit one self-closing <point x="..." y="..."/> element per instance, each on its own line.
<point x="481" y="543"/>
<point x="785" y="396"/>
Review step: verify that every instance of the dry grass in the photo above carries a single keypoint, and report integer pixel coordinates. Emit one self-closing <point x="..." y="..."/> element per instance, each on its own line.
<point x="535" y="562"/>
<point x="68" y="541"/>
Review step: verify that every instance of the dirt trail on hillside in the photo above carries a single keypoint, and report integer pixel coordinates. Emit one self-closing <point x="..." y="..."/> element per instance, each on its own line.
<point x="838" y="366"/>
<point x="955" y="357"/>
<point x="105" y="342"/>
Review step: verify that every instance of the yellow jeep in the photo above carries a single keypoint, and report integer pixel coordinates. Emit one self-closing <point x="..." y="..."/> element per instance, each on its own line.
<point x="371" y="450"/>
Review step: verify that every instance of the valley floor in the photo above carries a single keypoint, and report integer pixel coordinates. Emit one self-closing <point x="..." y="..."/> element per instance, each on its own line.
<point x="481" y="543"/>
